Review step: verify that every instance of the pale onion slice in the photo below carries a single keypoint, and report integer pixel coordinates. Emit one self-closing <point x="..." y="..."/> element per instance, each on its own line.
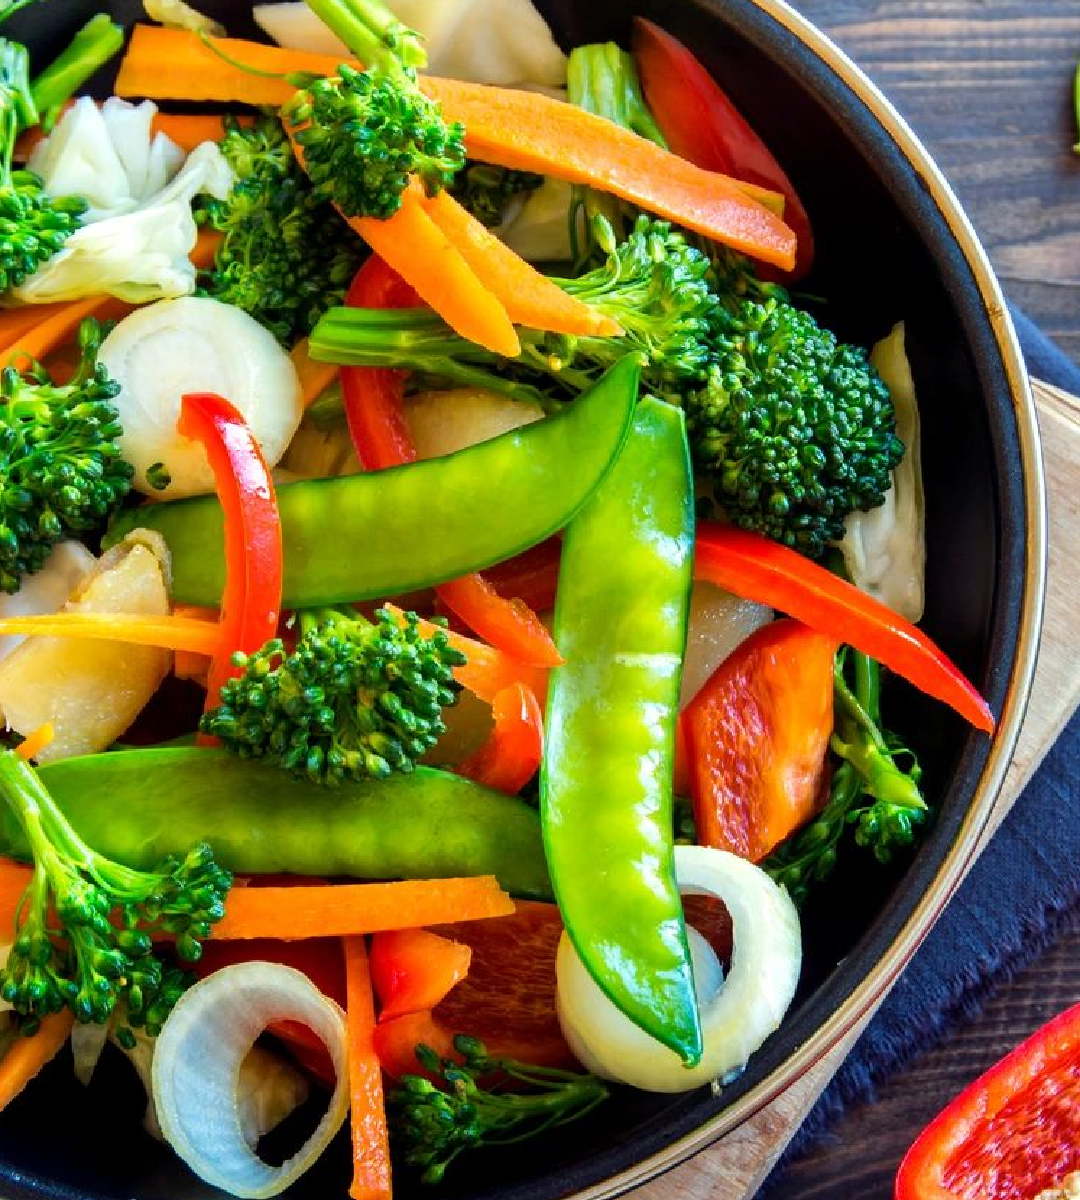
<point x="445" y="422"/>
<point x="737" y="1015"/>
<point x="719" y="622"/>
<point x="46" y="590"/>
<point x="196" y="1072"/>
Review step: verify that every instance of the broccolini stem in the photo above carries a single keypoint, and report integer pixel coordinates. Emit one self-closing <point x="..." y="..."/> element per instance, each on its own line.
<point x="94" y="44"/>
<point x="603" y="79"/>
<point x="372" y="33"/>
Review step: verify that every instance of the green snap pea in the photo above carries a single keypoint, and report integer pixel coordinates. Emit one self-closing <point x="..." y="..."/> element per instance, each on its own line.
<point x="368" y="536"/>
<point x="606" y="778"/>
<point x="137" y="806"/>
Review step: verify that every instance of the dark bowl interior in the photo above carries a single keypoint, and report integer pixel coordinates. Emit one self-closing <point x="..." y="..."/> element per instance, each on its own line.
<point x="884" y="253"/>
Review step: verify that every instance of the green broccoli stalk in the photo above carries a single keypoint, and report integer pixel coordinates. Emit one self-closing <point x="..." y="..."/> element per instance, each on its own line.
<point x="92" y="47"/>
<point x="353" y="700"/>
<point x="60" y="467"/>
<point x="85" y="924"/>
<point x="33" y="226"/>
<point x="366" y="134"/>
<point x="486" y="190"/>
<point x="433" y="1125"/>
<point x="871" y="791"/>
<point x="794" y="429"/>
<point x="283" y="257"/>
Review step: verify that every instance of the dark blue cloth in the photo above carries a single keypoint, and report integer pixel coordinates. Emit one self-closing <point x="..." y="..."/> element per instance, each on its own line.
<point x="1033" y="861"/>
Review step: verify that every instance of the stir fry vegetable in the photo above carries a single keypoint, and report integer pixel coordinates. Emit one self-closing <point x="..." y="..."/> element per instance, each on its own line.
<point x="651" y="451"/>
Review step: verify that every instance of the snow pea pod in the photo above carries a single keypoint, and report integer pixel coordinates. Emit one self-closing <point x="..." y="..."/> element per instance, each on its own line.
<point x="136" y="806"/>
<point x="606" y="778"/>
<point x="368" y="536"/>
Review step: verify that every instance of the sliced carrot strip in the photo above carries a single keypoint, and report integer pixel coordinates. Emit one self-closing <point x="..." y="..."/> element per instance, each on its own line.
<point x="487" y="671"/>
<point x="28" y="1055"/>
<point x="59" y="326"/>
<point x="205" y="249"/>
<point x="188" y="130"/>
<point x="370" y="1138"/>
<point x="190" y="664"/>
<point x="15" y="322"/>
<point x="14" y="880"/>
<point x="532" y="132"/>
<point x="138" y="629"/>
<point x="338" y="910"/>
<point x="529" y="297"/>
<point x="32" y="745"/>
<point x="315" y="376"/>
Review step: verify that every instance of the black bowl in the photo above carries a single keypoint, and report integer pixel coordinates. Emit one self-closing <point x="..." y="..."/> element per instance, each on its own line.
<point x="892" y="244"/>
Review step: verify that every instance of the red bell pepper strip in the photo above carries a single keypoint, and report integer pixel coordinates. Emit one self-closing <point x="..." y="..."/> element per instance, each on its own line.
<point x="413" y="969"/>
<point x="702" y="125"/>
<point x="532" y="576"/>
<point x="251" y="604"/>
<point x="396" y="1041"/>
<point x="511" y="756"/>
<point x="1014" y="1132"/>
<point x="380" y="434"/>
<point x="756" y="568"/>
<point x="757" y="735"/>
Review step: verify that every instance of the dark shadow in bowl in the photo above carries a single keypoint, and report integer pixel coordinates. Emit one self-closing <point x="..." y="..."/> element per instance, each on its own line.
<point x="885" y="253"/>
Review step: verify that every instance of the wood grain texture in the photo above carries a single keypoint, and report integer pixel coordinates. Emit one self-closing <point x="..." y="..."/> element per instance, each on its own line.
<point x="986" y="84"/>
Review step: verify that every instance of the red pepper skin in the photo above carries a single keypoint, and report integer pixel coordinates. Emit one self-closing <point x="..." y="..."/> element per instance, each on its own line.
<point x="757" y="735"/>
<point x="509" y="624"/>
<point x="702" y="125"/>
<point x="1012" y="1133"/>
<point x="531" y="577"/>
<point x="251" y="604"/>
<point x="413" y="969"/>
<point x="511" y="756"/>
<point x="756" y="568"/>
<point x="396" y="1042"/>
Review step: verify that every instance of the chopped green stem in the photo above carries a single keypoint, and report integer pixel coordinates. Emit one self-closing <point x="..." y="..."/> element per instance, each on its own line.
<point x="372" y="33"/>
<point x="95" y="43"/>
<point x="603" y="79"/>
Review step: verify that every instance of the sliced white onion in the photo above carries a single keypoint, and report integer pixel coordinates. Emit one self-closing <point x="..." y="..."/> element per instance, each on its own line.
<point x="46" y="590"/>
<point x="719" y="622"/>
<point x="736" y="1016"/>
<point x="197" y="1064"/>
<point x="445" y="422"/>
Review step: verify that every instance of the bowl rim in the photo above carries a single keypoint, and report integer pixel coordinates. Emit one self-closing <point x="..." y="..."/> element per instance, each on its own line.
<point x="861" y="1002"/>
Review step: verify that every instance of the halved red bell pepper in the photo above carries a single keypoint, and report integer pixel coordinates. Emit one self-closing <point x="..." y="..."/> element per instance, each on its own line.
<point x="702" y="125"/>
<point x="381" y="436"/>
<point x="413" y="969"/>
<point x="756" y="568"/>
<point x="251" y="604"/>
<point x="1013" y="1133"/>
<point x="757" y="736"/>
<point x="511" y="755"/>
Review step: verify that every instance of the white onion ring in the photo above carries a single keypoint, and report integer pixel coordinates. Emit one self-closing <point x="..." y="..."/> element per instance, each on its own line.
<point x="197" y="1063"/>
<point x="736" y="1016"/>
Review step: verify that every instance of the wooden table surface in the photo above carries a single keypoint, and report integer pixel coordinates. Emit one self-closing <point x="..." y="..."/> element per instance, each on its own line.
<point x="987" y="86"/>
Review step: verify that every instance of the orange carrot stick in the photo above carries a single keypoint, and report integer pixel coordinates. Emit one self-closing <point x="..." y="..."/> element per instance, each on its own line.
<point x="189" y="664"/>
<point x="532" y="132"/>
<point x="315" y="376"/>
<point x="28" y="1055"/>
<point x="529" y="297"/>
<point x="138" y="629"/>
<point x="339" y="910"/>
<point x="206" y="247"/>
<point x="370" y="1139"/>
<point x="58" y="326"/>
<point x="15" y="322"/>
<point x="488" y="671"/>
<point x="188" y="130"/>
<point x="14" y="880"/>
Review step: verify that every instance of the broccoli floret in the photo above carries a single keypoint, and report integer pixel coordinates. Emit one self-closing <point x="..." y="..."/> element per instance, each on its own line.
<point x="33" y="226"/>
<point x="353" y="700"/>
<point x="366" y="134"/>
<point x="794" y="429"/>
<point x="433" y="1124"/>
<point x="284" y="257"/>
<point x="85" y="924"/>
<point x="486" y="190"/>
<point x="875" y="787"/>
<point x="60" y="467"/>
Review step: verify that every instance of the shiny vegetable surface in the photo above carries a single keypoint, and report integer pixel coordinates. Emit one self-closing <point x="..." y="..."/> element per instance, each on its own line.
<point x="620" y="622"/>
<point x="260" y="821"/>
<point x="1014" y="1132"/>
<point x="509" y="493"/>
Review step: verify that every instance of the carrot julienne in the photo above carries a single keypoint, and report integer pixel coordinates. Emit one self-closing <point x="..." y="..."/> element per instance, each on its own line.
<point x="28" y="1055"/>
<point x="139" y="629"/>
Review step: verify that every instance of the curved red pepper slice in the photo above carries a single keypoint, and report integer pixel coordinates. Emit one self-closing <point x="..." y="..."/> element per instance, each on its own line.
<point x="756" y="568"/>
<point x="531" y="577"/>
<point x="1014" y="1132"/>
<point x="702" y="125"/>
<point x="380" y="433"/>
<point x="511" y="756"/>
<point x="413" y="969"/>
<point x="251" y="604"/>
